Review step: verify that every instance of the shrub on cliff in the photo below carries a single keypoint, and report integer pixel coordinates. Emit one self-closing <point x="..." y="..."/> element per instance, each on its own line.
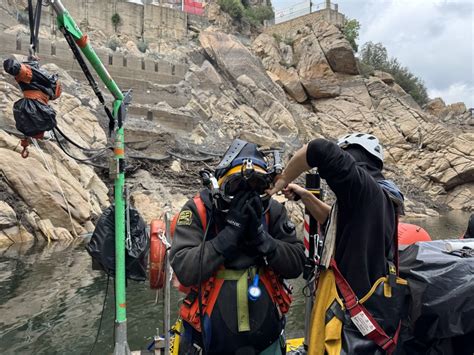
<point x="113" y="43"/>
<point x="257" y="14"/>
<point x="142" y="45"/>
<point x="233" y="7"/>
<point x="350" y="29"/>
<point x="116" y="20"/>
<point x="374" y="56"/>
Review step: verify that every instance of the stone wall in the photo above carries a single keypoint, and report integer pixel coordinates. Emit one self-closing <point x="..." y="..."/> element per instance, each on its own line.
<point x="119" y="65"/>
<point x="284" y="28"/>
<point x="163" y="22"/>
<point x="139" y="74"/>
<point x="149" y="21"/>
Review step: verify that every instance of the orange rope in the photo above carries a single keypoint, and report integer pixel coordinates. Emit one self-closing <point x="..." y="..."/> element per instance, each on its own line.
<point x="36" y="95"/>
<point x="25" y="75"/>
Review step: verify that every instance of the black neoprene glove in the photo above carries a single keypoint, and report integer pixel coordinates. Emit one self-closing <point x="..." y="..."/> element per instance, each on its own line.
<point x="227" y="240"/>
<point x="258" y="238"/>
<point x="254" y="207"/>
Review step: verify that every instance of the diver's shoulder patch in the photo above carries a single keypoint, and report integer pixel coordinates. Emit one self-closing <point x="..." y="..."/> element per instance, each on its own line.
<point x="185" y="218"/>
<point x="288" y="226"/>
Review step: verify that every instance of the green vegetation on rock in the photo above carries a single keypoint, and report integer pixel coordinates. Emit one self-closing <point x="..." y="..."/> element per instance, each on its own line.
<point x="241" y="9"/>
<point x="257" y="14"/>
<point x="116" y="20"/>
<point x="113" y="43"/>
<point x="233" y="7"/>
<point x="374" y="56"/>
<point x="350" y="29"/>
<point x="142" y="45"/>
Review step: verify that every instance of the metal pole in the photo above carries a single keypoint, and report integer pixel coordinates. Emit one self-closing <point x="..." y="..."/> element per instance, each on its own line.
<point x="313" y="185"/>
<point x="167" y="305"/>
<point x="67" y="22"/>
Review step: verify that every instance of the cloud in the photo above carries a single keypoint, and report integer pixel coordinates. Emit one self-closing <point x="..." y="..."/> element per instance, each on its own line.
<point x="433" y="38"/>
<point x="454" y="93"/>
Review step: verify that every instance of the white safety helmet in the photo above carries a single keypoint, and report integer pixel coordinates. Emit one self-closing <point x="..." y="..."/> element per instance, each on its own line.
<point x="367" y="141"/>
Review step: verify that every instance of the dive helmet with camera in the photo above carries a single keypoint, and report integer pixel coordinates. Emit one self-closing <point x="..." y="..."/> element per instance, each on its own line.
<point x="243" y="168"/>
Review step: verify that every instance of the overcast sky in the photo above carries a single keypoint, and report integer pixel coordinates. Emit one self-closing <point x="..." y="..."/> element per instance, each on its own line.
<point x="433" y="38"/>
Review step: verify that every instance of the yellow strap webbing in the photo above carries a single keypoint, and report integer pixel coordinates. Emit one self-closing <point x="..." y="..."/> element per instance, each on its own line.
<point x="241" y="276"/>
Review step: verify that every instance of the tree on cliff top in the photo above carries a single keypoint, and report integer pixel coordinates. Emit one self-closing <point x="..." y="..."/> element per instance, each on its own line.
<point x="374" y="56"/>
<point x="116" y="20"/>
<point x="350" y="29"/>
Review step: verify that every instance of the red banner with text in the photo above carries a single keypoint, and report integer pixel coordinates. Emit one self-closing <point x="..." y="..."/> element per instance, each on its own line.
<point x="193" y="7"/>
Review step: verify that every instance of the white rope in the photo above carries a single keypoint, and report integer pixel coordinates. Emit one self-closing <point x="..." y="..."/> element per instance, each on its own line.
<point x="36" y="145"/>
<point x="162" y="237"/>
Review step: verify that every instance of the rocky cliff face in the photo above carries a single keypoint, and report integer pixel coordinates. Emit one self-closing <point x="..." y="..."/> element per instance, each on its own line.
<point x="274" y="92"/>
<point x="317" y="68"/>
<point x="48" y="195"/>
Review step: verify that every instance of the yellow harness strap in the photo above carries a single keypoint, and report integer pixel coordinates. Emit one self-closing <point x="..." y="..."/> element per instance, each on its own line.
<point x="241" y="276"/>
<point x="325" y="338"/>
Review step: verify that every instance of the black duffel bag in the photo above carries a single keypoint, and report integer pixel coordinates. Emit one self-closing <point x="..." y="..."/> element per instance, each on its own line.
<point x="101" y="247"/>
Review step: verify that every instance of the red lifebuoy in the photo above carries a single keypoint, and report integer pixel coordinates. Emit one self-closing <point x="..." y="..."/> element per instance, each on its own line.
<point x="157" y="254"/>
<point x="411" y="233"/>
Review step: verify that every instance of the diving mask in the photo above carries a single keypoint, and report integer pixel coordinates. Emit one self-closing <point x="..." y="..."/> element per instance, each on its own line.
<point x="245" y="177"/>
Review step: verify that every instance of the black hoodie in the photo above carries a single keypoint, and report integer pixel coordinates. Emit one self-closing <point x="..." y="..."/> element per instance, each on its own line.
<point x="366" y="216"/>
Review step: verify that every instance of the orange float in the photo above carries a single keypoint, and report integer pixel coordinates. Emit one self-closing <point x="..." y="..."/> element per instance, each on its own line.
<point x="157" y="254"/>
<point x="411" y="233"/>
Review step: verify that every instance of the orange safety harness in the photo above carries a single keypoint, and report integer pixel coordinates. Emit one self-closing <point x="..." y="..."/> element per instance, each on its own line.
<point x="210" y="289"/>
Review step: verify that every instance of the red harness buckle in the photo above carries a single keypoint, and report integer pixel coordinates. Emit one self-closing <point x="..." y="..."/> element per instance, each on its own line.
<point x="24" y="143"/>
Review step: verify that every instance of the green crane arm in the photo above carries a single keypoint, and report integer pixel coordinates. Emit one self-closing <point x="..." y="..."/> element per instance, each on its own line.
<point x="67" y="24"/>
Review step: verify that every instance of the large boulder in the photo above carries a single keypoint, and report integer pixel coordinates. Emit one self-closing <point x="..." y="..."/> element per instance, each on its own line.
<point x="335" y="46"/>
<point x="435" y="107"/>
<point x="250" y="103"/>
<point x="387" y="78"/>
<point x="458" y="108"/>
<point x="7" y="215"/>
<point x="460" y="198"/>
<point x="234" y="59"/>
<point x="313" y="68"/>
<point x="267" y="48"/>
<point x="41" y="190"/>
<point x="11" y="231"/>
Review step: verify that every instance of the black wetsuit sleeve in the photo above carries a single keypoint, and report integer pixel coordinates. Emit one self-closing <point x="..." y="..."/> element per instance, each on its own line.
<point x="366" y="216"/>
<point x="288" y="258"/>
<point x="350" y="184"/>
<point x="186" y="248"/>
